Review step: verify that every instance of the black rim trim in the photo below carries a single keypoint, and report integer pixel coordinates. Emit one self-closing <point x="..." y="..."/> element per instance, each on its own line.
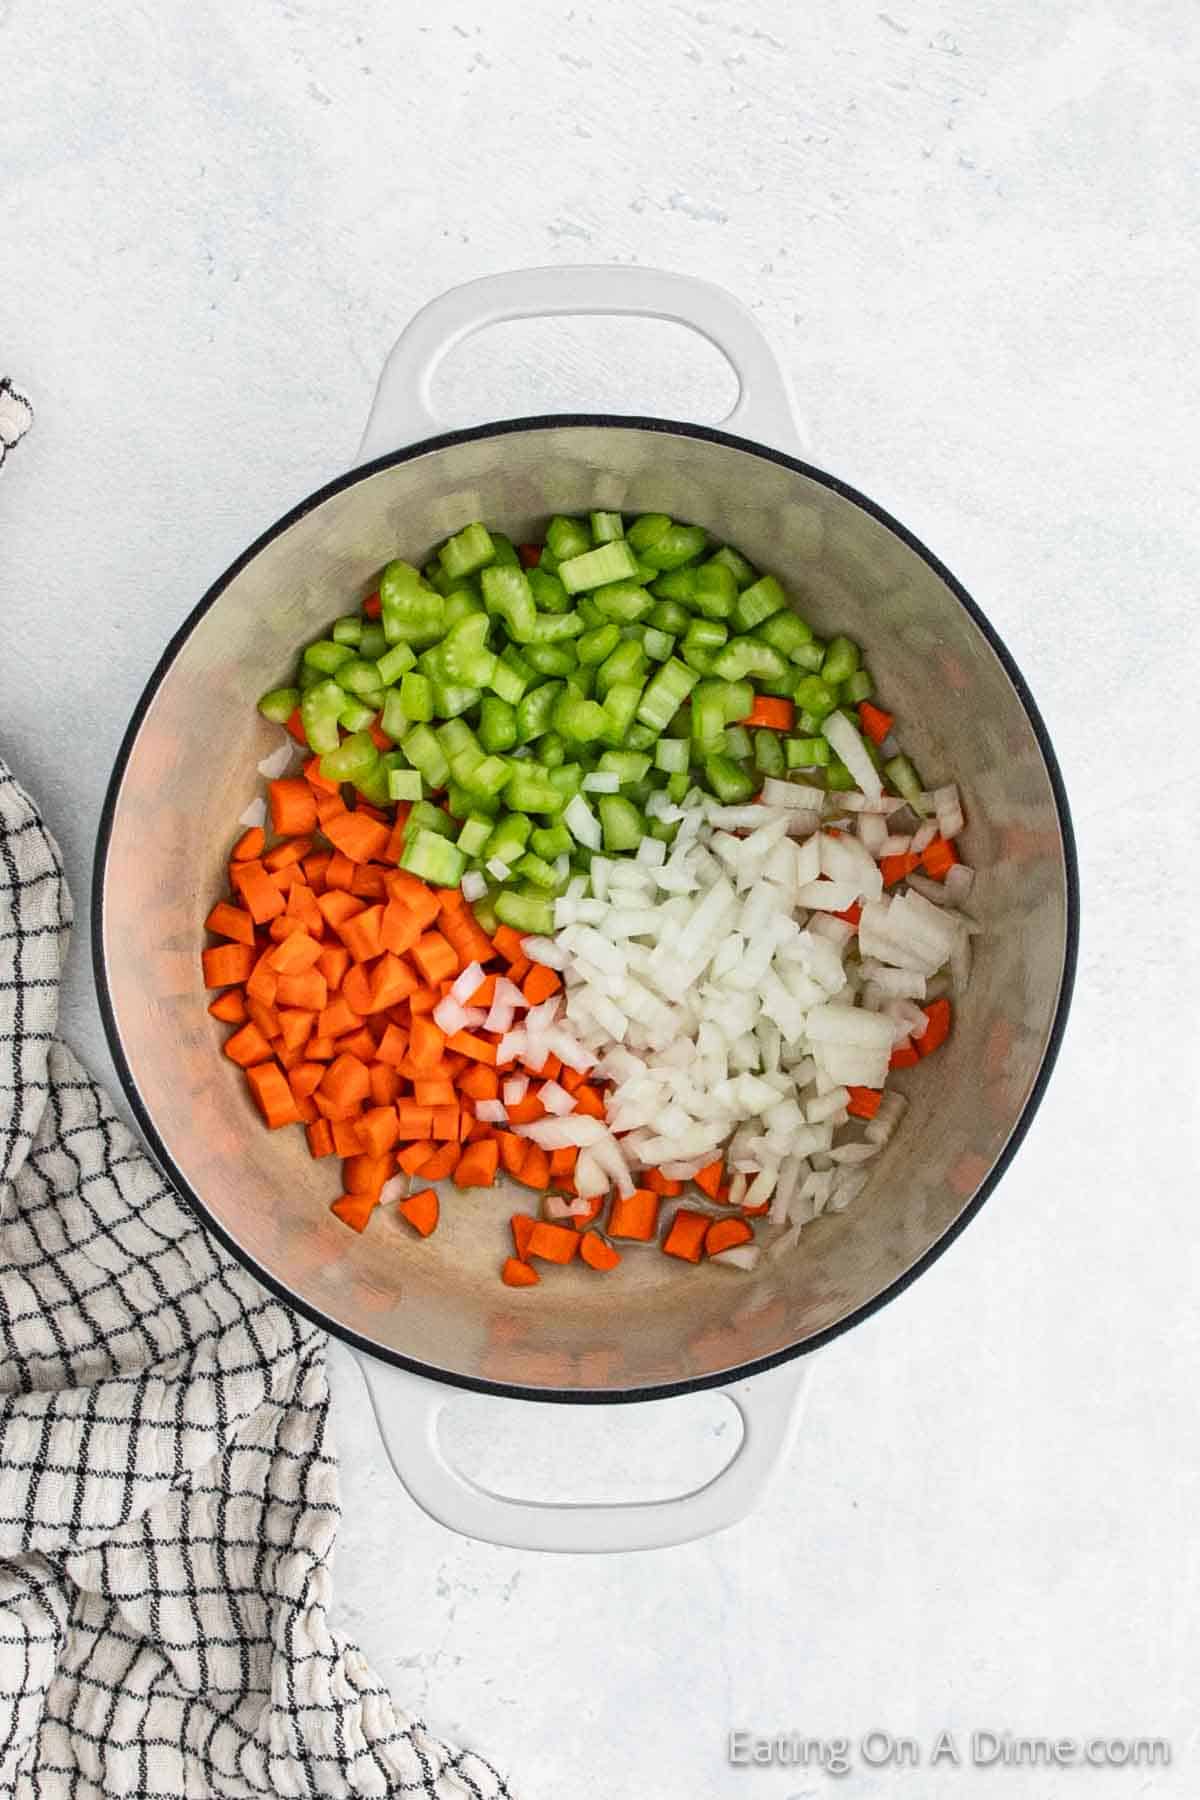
<point x="698" y="1383"/>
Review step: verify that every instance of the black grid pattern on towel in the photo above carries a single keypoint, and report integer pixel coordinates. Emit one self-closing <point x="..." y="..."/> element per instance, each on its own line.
<point x="168" y="1489"/>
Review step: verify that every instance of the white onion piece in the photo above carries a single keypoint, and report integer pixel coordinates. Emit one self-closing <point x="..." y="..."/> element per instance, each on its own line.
<point x="958" y="883"/>
<point x="546" y="951"/>
<point x="255" y="815"/>
<point x="492" y="1112"/>
<point x="923" y="836"/>
<point x="556" y="1099"/>
<point x="582" y="823"/>
<point x="564" y="1206"/>
<point x="948" y="809"/>
<point x="897" y="843"/>
<point x="473" y="886"/>
<point x="738" y="1256"/>
<point x="450" y="1016"/>
<point x="497" y="866"/>
<point x="394" y="1189"/>
<point x="847" y="741"/>
<point x="278" y="763"/>
<point x="466" y="983"/>
<point x="515" y="1089"/>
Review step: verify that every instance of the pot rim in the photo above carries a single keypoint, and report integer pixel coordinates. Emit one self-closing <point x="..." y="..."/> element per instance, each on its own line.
<point x="692" y="1384"/>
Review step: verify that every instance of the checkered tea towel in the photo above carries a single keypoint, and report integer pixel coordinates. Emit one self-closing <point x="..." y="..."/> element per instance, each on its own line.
<point x="168" y="1488"/>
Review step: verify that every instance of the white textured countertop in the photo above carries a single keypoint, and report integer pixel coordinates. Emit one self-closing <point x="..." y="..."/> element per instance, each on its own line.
<point x="971" y="233"/>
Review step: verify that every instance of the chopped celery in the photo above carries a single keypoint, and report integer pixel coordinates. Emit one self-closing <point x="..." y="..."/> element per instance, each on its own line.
<point x="536" y="869"/>
<point x="579" y="721"/>
<point x="279" y="704"/>
<point x="841" y="661"/>
<point x="671" y="754"/>
<point x="347" y="630"/>
<point x="551" y="659"/>
<point x="606" y="526"/>
<point x="627" y="765"/>
<point x="595" y="568"/>
<point x="474" y="834"/>
<point x="623" y="601"/>
<point x="768" y="753"/>
<point x="566" y="538"/>
<point x="549" y="841"/>
<point x="404" y="784"/>
<point x="595" y="645"/>
<point x="858" y="686"/>
<point x="512" y="675"/>
<point x="669" y="616"/>
<point x="744" y="656"/>
<point x="432" y="858"/>
<point x="806" y="752"/>
<point x="647" y="530"/>
<point x="714" y="591"/>
<point x="525" y="912"/>
<point x="319" y="711"/>
<point x="627" y="663"/>
<point x="393" y="664"/>
<point x="658" y="645"/>
<point x="786" y="632"/>
<point x="758" y="602"/>
<point x="815" y="696"/>
<point x="468" y="550"/>
<point x="665" y="693"/>
<point x="673" y="547"/>
<point x="508" y="839"/>
<point x="427" y="817"/>
<point x="327" y="656"/>
<point x="351" y="758"/>
<point x="416" y="697"/>
<point x="735" y="562"/>
<point x="904" y="778"/>
<point x="548" y="591"/>
<point x="411" y="611"/>
<point x="497" y="723"/>
<point x="730" y="781"/>
<point x="426" y="754"/>
<point x="535" y="709"/>
<point x="355" y="714"/>
<point x="621" y="823"/>
<point x="738" y="743"/>
<point x="358" y="676"/>
<point x="373" y="641"/>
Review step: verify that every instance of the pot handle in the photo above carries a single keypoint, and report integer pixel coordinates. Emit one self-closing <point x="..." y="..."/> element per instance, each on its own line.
<point x="408" y="1407"/>
<point x="402" y="411"/>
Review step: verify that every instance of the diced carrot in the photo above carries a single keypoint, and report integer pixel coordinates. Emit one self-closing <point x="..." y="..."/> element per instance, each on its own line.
<point x="686" y="1237"/>
<point x="262" y="983"/>
<point x="426" y="1043"/>
<point x="895" y="868"/>
<point x="435" y="957"/>
<point x="339" y="871"/>
<point x="938" y="1029"/>
<point x="369" y="882"/>
<point x="526" y="1111"/>
<point x="358" y="1043"/>
<point x="230" y="921"/>
<point x="521" y="1225"/>
<point x="724" y="1234"/>
<point x="320" y="1138"/>
<point x="400" y="927"/>
<point x="289" y="1059"/>
<point x="250" y="845"/>
<point x="316" y="867"/>
<point x="393" y="1046"/>
<point x="378" y="1130"/>
<point x="356" y="835"/>
<point x="385" y="1083"/>
<point x="589" y="1101"/>
<point x="302" y="906"/>
<point x="229" y="1007"/>
<point x="264" y="1016"/>
<point x="904" y="1056"/>
<point x="479" y="1082"/>
<point x="304" y="1078"/>
<point x="513" y="1150"/>
<point x="658" y="1183"/>
<point x="539" y="984"/>
<point x="709" y="1179"/>
<point x="346" y="1080"/>
<point x="295" y="726"/>
<point x="478" y="1164"/>
<point x="475" y="1129"/>
<point x="552" y="1243"/>
<point x="345" y="1133"/>
<point x="434" y="1091"/>
<point x="466" y="1044"/>
<point x="442" y="1163"/>
<point x="530" y="555"/>
<point x="360" y="934"/>
<point x="874" y="721"/>
<point x="423" y="1000"/>
<point x="324" y="784"/>
<point x="572" y="1079"/>
<point x="247" y="1045"/>
<point x="356" y="988"/>
<point x="391" y="982"/>
<point x="419" y="899"/>
<point x="333" y="963"/>
<point x="227" y="965"/>
<point x="597" y="1253"/>
<point x="284" y="926"/>
<point x="562" y="1163"/>
<point x="320" y="1049"/>
<point x="295" y="1025"/>
<point x="414" y="1156"/>
<point x="364" y="1172"/>
<point x="297" y="953"/>
<point x="421" y="1210"/>
<point x="415" y="1121"/>
<point x="595" y="1206"/>
<point x="308" y="990"/>
<point x="272" y="1094"/>
<point x="445" y="1124"/>
<point x="535" y="1170"/>
<point x="775" y="715"/>
<point x="938" y="858"/>
<point x="354" y="1209"/>
<point x="851" y="914"/>
<point x="509" y="943"/>
<point x="518" y="1274"/>
<point x="372" y="606"/>
<point x="863" y="1102"/>
<point x="336" y="907"/>
<point x="634" y="1216"/>
<point x="517" y="971"/>
<point x="292" y="850"/>
<point x="258" y="891"/>
<point x="337" y="1018"/>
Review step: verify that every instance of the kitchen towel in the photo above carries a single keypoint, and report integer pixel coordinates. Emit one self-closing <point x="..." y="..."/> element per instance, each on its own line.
<point x="168" y="1485"/>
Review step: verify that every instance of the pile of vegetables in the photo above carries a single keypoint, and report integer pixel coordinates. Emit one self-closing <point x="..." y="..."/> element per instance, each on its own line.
<point x="601" y="871"/>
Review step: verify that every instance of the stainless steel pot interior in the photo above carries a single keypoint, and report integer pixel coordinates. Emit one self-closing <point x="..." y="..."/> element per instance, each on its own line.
<point x="188" y="770"/>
